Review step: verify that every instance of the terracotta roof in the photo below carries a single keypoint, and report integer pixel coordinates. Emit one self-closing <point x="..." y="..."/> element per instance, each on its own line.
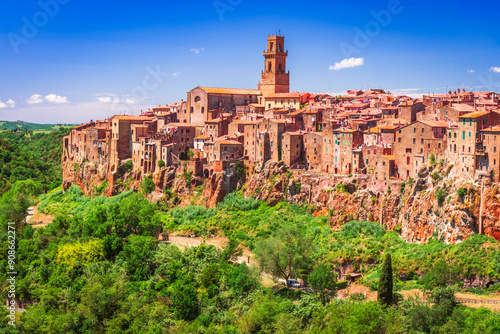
<point x="180" y="125"/>
<point x="463" y="107"/>
<point x="132" y="118"/>
<point x="436" y="124"/>
<point x="284" y="95"/>
<point x="492" y="129"/>
<point x="229" y="142"/>
<point x="202" y="137"/>
<point x="233" y="91"/>
<point x="213" y="121"/>
<point x="474" y="114"/>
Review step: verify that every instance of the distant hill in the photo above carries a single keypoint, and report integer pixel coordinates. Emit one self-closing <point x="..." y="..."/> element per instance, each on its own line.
<point x="6" y="125"/>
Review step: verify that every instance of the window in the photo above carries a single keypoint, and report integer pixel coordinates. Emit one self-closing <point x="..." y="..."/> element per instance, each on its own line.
<point x="421" y="140"/>
<point x="414" y="141"/>
<point x="463" y="135"/>
<point x="202" y="110"/>
<point x="469" y="133"/>
<point x="449" y="135"/>
<point x="454" y="135"/>
<point x="192" y="110"/>
<point x="495" y="149"/>
<point x="414" y="129"/>
<point x="422" y="130"/>
<point x="272" y="47"/>
<point x="399" y="140"/>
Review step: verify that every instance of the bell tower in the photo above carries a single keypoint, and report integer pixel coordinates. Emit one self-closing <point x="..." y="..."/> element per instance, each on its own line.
<point x="275" y="78"/>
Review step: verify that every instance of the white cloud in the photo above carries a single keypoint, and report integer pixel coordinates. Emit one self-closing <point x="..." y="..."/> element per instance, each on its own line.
<point x="53" y="98"/>
<point x="197" y="50"/>
<point x="131" y="100"/>
<point x="347" y="63"/>
<point x="35" y="99"/>
<point x="109" y="99"/>
<point x="9" y="104"/>
<point x="471" y="71"/>
<point x="106" y="99"/>
<point x="495" y="69"/>
<point x="176" y="74"/>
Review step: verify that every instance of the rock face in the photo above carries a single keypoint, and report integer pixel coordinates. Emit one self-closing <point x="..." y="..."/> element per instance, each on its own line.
<point x="428" y="206"/>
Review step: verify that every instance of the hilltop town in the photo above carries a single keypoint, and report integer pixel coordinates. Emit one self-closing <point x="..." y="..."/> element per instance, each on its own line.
<point x="370" y="132"/>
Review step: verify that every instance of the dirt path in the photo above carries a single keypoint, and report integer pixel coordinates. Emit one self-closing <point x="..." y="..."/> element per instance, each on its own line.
<point x="219" y="242"/>
<point x="37" y="219"/>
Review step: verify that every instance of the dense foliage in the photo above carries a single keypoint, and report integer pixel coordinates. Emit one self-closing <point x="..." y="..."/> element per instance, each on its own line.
<point x="99" y="268"/>
<point x="24" y="156"/>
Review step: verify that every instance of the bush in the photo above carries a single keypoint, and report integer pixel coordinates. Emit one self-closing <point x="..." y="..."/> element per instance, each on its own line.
<point x="440" y="195"/>
<point x="341" y="285"/>
<point x="432" y="159"/>
<point x="161" y="163"/>
<point x="128" y="166"/>
<point x="147" y="185"/>
<point x="461" y="192"/>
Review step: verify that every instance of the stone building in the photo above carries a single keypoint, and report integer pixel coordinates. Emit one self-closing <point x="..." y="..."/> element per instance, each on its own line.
<point x="201" y="100"/>
<point x="292" y="147"/>
<point x="415" y="143"/>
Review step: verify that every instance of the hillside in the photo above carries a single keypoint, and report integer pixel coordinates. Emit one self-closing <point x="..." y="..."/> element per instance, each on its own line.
<point x="99" y="267"/>
<point x="25" y="126"/>
<point x="36" y="156"/>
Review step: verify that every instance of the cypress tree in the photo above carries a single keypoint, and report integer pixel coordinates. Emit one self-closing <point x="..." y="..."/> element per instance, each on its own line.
<point x="385" y="283"/>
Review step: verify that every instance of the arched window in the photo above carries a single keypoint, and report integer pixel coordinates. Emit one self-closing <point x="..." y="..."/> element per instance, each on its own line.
<point x="197" y="99"/>
<point x="272" y="46"/>
<point x="279" y="67"/>
<point x="269" y="67"/>
<point x="279" y="47"/>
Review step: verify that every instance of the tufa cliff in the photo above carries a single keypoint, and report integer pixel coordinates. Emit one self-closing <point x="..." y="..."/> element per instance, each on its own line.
<point x="438" y="203"/>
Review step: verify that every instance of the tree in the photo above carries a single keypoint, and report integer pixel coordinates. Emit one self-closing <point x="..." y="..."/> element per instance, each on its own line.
<point x="284" y="253"/>
<point x="385" y="284"/>
<point x="185" y="300"/>
<point x="322" y="280"/>
<point x="148" y="185"/>
<point x="161" y="163"/>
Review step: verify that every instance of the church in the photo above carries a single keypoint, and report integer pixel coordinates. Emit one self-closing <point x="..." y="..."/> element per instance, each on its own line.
<point x="273" y="91"/>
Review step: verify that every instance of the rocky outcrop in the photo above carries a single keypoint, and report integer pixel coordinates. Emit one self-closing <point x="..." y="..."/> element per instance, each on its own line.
<point x="427" y="207"/>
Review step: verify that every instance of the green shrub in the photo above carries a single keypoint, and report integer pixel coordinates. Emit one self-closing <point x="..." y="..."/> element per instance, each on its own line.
<point x="432" y="159"/>
<point x="461" y="192"/>
<point x="147" y="185"/>
<point x="161" y="163"/>
<point x="341" y="285"/>
<point x="440" y="195"/>
<point x="128" y="166"/>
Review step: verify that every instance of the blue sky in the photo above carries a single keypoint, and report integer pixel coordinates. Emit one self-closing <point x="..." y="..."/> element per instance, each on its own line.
<point x="73" y="60"/>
